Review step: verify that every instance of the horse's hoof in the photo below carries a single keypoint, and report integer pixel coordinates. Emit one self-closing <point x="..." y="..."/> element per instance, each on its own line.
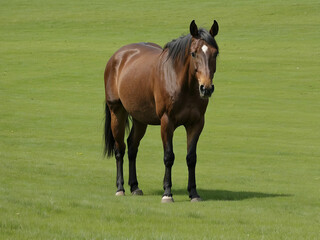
<point x="196" y="199"/>
<point x="167" y="199"/>
<point x="137" y="192"/>
<point x="120" y="193"/>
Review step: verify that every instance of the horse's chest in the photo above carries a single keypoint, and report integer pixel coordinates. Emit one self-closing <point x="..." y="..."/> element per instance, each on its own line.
<point x="188" y="112"/>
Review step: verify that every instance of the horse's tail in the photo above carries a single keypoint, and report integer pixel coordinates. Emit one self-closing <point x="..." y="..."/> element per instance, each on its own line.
<point x="108" y="137"/>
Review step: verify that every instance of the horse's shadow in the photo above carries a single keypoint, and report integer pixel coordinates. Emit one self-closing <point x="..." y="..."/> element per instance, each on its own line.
<point x="225" y="195"/>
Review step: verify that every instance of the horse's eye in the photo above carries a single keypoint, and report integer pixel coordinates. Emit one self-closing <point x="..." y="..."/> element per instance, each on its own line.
<point x="193" y="54"/>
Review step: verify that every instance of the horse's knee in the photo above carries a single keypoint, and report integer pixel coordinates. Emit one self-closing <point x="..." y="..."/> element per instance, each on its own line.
<point x="132" y="153"/>
<point x="191" y="159"/>
<point x="132" y="146"/>
<point x="168" y="158"/>
<point x="132" y="149"/>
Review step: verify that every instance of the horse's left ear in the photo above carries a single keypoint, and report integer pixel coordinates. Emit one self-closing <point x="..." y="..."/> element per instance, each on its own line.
<point x="194" y="29"/>
<point x="214" y="29"/>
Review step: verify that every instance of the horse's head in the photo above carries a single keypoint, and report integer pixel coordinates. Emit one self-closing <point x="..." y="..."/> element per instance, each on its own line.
<point x="204" y="51"/>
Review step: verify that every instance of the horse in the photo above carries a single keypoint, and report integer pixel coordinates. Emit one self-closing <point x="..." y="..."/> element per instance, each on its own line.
<point x="167" y="86"/>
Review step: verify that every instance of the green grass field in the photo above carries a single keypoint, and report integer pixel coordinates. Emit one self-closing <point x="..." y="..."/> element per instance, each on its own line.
<point x="258" y="157"/>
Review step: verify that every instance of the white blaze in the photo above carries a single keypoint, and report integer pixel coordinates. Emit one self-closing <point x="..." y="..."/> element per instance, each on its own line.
<point x="204" y="48"/>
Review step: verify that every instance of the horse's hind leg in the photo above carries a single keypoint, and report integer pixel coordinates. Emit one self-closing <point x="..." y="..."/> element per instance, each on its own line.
<point x="137" y="132"/>
<point x="118" y="123"/>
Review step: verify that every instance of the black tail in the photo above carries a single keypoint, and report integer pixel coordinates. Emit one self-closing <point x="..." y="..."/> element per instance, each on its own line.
<point x="108" y="137"/>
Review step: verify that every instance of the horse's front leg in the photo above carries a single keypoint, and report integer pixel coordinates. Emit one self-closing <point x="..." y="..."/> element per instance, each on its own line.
<point x="167" y="129"/>
<point x="193" y="133"/>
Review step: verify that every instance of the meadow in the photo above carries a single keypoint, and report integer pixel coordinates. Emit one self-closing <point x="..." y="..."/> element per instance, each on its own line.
<point x="258" y="168"/>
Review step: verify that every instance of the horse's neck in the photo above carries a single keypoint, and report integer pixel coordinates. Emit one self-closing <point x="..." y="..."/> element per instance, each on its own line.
<point x="186" y="77"/>
<point x="178" y="76"/>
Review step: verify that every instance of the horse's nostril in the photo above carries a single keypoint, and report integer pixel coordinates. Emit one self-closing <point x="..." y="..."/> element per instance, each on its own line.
<point x="202" y="88"/>
<point x="212" y="89"/>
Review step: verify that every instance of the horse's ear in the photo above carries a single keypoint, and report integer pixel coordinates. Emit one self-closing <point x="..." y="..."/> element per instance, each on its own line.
<point x="214" y="29"/>
<point x="194" y="29"/>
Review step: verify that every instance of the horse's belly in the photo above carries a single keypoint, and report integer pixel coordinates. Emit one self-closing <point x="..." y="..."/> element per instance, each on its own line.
<point x="139" y="104"/>
<point x="146" y="117"/>
<point x="143" y="112"/>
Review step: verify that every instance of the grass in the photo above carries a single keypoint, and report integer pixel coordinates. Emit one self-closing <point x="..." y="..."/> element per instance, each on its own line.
<point x="258" y="157"/>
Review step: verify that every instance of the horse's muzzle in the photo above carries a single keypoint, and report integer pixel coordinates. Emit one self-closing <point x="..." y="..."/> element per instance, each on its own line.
<point x="206" y="92"/>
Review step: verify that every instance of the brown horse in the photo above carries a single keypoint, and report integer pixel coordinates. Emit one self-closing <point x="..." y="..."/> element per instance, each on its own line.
<point x="168" y="87"/>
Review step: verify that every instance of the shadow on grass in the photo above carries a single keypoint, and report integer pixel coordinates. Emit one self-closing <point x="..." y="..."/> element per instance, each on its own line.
<point x="225" y="195"/>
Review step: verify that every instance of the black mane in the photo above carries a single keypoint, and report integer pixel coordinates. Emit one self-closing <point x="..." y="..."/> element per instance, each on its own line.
<point x="179" y="48"/>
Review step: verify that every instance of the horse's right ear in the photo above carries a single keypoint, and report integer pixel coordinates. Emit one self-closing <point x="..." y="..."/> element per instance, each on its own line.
<point x="194" y="29"/>
<point x="214" y="29"/>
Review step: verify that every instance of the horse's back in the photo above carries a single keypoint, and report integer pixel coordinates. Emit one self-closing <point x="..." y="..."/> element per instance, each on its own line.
<point x="129" y="78"/>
